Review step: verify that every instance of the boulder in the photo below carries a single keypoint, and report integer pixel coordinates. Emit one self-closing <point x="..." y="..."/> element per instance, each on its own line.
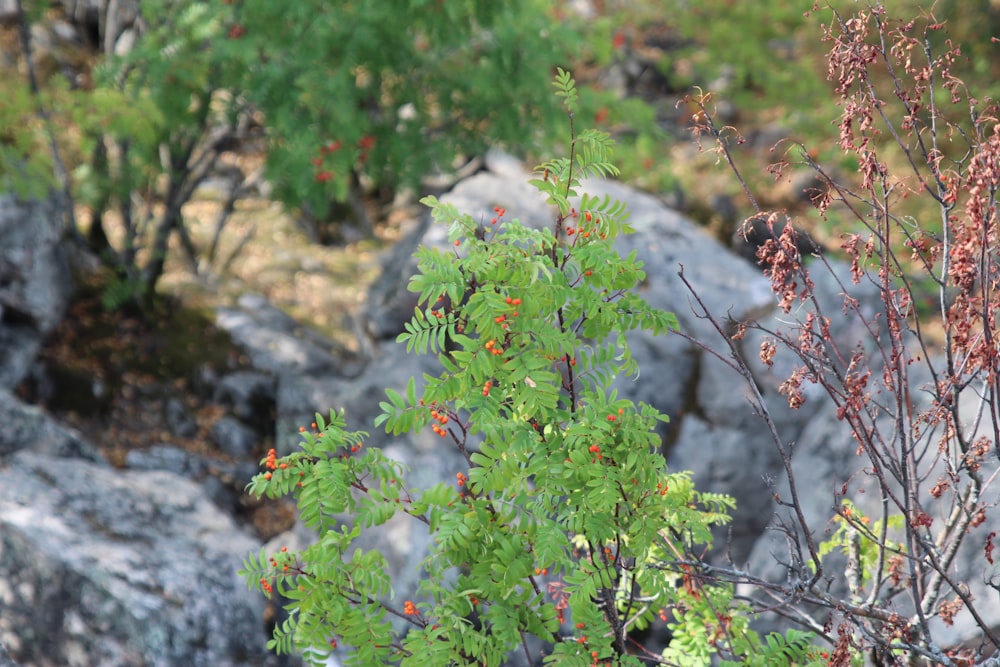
<point x="277" y="343"/>
<point x="99" y="566"/>
<point x="27" y="427"/>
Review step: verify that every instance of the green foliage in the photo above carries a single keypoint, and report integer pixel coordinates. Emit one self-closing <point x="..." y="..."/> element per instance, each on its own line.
<point x="359" y="95"/>
<point x="566" y="525"/>
<point x="391" y="91"/>
<point x="863" y="541"/>
<point x="26" y="167"/>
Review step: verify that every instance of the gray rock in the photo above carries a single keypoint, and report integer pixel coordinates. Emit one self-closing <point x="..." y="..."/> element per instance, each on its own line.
<point x="34" y="272"/>
<point x="275" y="342"/>
<point x="179" y="419"/>
<point x="388" y="304"/>
<point x="250" y="396"/>
<point x="167" y="458"/>
<point x="301" y="397"/>
<point x="35" y="281"/>
<point x="99" y="566"/>
<point x="234" y="437"/>
<point x="19" y="346"/>
<point x="27" y="427"/>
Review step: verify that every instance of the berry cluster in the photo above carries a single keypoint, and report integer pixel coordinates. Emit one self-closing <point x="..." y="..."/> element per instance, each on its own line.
<point x="441" y="419"/>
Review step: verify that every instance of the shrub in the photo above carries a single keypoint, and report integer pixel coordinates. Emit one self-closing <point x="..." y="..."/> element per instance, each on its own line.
<point x="566" y="526"/>
<point x="911" y="524"/>
<point x="385" y="93"/>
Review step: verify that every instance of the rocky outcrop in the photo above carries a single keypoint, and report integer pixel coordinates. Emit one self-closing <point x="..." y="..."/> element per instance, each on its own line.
<point x="109" y="567"/>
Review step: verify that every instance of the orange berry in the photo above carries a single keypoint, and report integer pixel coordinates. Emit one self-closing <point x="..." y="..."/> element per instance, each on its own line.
<point x="516" y="302"/>
<point x="268" y="476"/>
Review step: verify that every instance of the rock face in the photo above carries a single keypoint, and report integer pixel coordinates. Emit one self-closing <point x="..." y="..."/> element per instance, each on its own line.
<point x="34" y="281"/>
<point x="99" y="566"/>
